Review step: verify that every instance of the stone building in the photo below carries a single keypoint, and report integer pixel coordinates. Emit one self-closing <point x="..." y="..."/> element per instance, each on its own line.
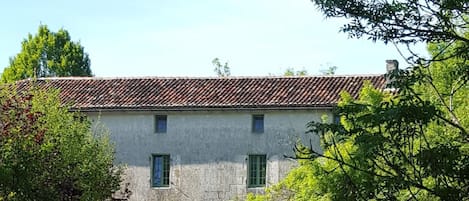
<point x="206" y="138"/>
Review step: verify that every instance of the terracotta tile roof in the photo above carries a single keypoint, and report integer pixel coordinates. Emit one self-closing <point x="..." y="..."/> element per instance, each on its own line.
<point x="156" y="93"/>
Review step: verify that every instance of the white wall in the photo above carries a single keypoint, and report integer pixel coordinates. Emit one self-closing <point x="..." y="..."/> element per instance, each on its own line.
<point x="208" y="149"/>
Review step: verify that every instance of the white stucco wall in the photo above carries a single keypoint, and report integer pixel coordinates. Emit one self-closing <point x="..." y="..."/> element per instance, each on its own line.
<point x="208" y="149"/>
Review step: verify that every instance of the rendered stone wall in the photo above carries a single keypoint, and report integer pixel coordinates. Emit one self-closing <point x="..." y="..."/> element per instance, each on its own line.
<point x="208" y="149"/>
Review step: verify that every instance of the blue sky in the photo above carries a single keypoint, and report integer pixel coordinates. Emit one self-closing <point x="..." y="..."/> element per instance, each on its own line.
<point x="180" y="38"/>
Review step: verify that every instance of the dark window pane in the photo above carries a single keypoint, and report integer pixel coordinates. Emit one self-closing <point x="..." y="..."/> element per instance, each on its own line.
<point x="160" y="123"/>
<point x="336" y="119"/>
<point x="258" y="123"/>
<point x="160" y="172"/>
<point x="157" y="170"/>
<point x="257" y="170"/>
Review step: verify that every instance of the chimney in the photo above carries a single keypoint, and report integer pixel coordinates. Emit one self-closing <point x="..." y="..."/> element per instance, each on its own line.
<point x="391" y="66"/>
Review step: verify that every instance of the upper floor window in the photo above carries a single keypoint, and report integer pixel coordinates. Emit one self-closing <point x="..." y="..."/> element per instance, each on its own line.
<point x="336" y="119"/>
<point x="257" y="170"/>
<point x="258" y="123"/>
<point x="160" y="171"/>
<point x="160" y="123"/>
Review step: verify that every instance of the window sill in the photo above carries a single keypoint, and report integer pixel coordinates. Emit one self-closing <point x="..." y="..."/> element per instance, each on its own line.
<point x="160" y="187"/>
<point x="256" y="190"/>
<point x="256" y="187"/>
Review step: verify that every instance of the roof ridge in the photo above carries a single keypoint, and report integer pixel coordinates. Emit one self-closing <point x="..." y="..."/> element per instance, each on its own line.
<point x="202" y="77"/>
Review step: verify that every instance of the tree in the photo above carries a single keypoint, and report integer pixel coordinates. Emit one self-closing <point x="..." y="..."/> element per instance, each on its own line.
<point x="48" y="54"/>
<point x="409" y="142"/>
<point x="387" y="147"/>
<point x="49" y="153"/>
<point x="221" y="70"/>
<point x="404" y="22"/>
<point x="293" y="72"/>
<point x="329" y="71"/>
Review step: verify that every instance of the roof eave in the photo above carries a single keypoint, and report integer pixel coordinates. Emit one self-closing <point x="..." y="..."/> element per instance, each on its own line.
<point x="174" y="109"/>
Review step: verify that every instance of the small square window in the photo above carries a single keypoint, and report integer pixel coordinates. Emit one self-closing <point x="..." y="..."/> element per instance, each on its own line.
<point x="257" y="170"/>
<point x="258" y="123"/>
<point x="160" y="123"/>
<point x="336" y="119"/>
<point x="160" y="171"/>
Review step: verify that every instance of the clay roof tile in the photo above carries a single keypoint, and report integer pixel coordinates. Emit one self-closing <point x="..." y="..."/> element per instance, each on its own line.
<point x="154" y="93"/>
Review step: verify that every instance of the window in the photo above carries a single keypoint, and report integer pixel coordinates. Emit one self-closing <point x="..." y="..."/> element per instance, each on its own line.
<point x="257" y="123"/>
<point x="160" y="123"/>
<point x="256" y="170"/>
<point x="160" y="171"/>
<point x="336" y="119"/>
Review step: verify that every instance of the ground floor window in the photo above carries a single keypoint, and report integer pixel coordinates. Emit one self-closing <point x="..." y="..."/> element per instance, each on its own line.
<point x="256" y="170"/>
<point x="160" y="171"/>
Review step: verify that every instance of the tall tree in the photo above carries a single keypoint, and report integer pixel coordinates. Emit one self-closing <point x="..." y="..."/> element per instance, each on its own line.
<point x="48" y="54"/>
<point x="49" y="153"/>
<point x="410" y="142"/>
<point x="404" y="22"/>
<point x="388" y="146"/>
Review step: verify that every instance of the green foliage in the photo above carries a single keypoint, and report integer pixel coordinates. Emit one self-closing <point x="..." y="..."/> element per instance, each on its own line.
<point x="329" y="71"/>
<point x="403" y="22"/>
<point x="293" y="72"/>
<point x="410" y="142"/>
<point x="49" y="153"/>
<point x="221" y="70"/>
<point x="48" y="54"/>
<point x="399" y="21"/>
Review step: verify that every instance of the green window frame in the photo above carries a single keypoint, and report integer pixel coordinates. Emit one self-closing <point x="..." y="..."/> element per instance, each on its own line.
<point x="258" y="123"/>
<point x="160" y="169"/>
<point x="257" y="165"/>
<point x="161" y="123"/>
